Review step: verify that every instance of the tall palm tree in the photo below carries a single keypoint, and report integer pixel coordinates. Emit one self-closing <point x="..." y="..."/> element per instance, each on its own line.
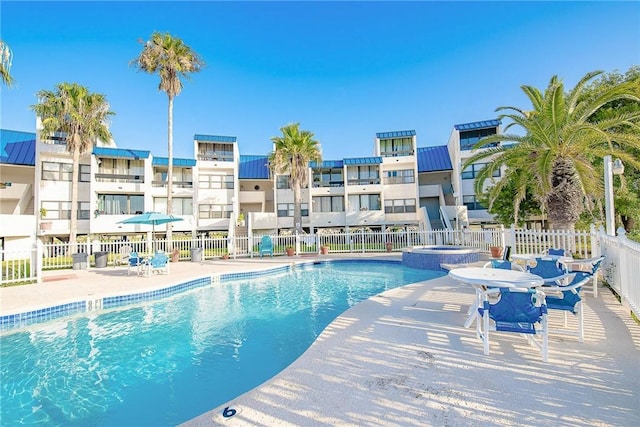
<point x="556" y="155"/>
<point x="6" y="57"/>
<point x="171" y="59"/>
<point x="292" y="153"/>
<point x="82" y="118"/>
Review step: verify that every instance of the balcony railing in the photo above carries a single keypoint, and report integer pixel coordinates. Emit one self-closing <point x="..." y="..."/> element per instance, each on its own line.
<point x="177" y="184"/>
<point x="397" y="153"/>
<point x="367" y="181"/>
<point x="116" y="177"/>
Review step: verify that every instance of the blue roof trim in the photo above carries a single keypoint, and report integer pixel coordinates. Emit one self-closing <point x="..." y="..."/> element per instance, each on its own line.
<point x="363" y="161"/>
<point x="396" y="134"/>
<point x="253" y="167"/>
<point x="123" y="153"/>
<point x="326" y="164"/>
<point x="478" y="125"/>
<point x="17" y="147"/>
<point x="214" y="138"/>
<point x="433" y="159"/>
<point x="164" y="161"/>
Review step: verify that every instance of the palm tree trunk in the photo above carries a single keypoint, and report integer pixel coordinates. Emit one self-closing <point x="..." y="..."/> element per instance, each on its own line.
<point x="297" y="208"/>
<point x="170" y="173"/>
<point x="73" y="221"/>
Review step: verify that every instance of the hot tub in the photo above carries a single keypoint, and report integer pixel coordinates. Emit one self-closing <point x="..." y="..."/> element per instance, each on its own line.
<point x="430" y="257"/>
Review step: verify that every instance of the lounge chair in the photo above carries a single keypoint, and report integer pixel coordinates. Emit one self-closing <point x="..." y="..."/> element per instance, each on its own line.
<point x="505" y="265"/>
<point x="567" y="298"/>
<point x="557" y="252"/>
<point x="135" y="262"/>
<point x="552" y="271"/>
<point x="123" y="256"/>
<point x="590" y="266"/>
<point x="266" y="246"/>
<point x="517" y="310"/>
<point x="158" y="263"/>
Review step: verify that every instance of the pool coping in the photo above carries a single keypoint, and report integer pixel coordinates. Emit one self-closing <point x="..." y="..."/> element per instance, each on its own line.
<point x="26" y="316"/>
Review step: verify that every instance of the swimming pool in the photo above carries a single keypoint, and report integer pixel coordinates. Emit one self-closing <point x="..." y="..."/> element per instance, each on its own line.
<point x="166" y="362"/>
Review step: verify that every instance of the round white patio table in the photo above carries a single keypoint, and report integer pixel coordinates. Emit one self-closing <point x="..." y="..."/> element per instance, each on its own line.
<point x="483" y="278"/>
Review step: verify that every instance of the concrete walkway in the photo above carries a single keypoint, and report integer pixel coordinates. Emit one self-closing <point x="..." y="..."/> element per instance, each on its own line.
<point x="402" y="358"/>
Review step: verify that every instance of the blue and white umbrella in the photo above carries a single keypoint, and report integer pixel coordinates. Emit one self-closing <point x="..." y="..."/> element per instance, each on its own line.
<point x="151" y="218"/>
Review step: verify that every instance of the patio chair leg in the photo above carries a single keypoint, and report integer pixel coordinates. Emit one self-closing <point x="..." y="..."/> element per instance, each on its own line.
<point x="581" y="322"/>
<point x="545" y="338"/>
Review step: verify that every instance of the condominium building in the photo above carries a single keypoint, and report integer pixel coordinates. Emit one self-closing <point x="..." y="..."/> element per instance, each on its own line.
<point x="400" y="186"/>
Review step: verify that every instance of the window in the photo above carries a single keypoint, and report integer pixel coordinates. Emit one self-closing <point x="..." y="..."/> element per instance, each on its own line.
<point x="180" y="205"/>
<point x="212" y="211"/>
<point x="286" y="209"/>
<point x="396" y="147"/>
<point x="399" y="206"/>
<point x="182" y="177"/>
<point x="120" y="204"/>
<point x="54" y="171"/>
<point x="364" y="202"/>
<point x="120" y="170"/>
<point x="215" y="181"/>
<point x="282" y="182"/>
<point x="85" y="173"/>
<point x="214" y="151"/>
<point x="328" y="178"/>
<point x="471" y="172"/>
<point x="470" y="138"/>
<point x="62" y="210"/>
<point x="362" y="175"/>
<point x="471" y="203"/>
<point x="405" y="176"/>
<point x="83" y="210"/>
<point x="328" y="204"/>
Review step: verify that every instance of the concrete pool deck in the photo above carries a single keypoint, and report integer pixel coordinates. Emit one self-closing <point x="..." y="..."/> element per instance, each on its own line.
<point x="402" y="358"/>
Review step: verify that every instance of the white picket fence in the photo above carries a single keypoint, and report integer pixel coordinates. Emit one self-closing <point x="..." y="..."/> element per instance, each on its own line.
<point x="622" y="255"/>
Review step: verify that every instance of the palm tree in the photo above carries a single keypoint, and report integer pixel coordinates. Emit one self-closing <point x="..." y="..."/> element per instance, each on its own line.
<point x="82" y="118"/>
<point x="292" y="153"/>
<point x="556" y="155"/>
<point x="171" y="59"/>
<point x="6" y="57"/>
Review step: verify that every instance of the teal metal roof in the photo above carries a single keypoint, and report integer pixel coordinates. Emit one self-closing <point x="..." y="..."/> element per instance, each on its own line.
<point x="253" y="167"/>
<point x="433" y="159"/>
<point x="214" y="138"/>
<point x="17" y="148"/>
<point x="164" y="161"/>
<point x="327" y="164"/>
<point x="363" y="161"/>
<point x="122" y="153"/>
<point x="478" y="125"/>
<point x="396" y="134"/>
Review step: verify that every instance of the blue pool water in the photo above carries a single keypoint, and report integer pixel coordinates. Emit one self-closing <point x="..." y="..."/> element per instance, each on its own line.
<point x="165" y="362"/>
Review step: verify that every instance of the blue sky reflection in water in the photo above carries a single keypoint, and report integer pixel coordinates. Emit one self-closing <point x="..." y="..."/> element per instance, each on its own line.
<point x="166" y="362"/>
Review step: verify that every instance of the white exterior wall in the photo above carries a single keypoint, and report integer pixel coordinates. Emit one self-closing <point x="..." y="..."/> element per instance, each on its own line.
<point x="107" y="224"/>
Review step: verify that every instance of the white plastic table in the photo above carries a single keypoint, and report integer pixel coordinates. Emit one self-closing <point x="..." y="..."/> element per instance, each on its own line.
<point x="483" y="278"/>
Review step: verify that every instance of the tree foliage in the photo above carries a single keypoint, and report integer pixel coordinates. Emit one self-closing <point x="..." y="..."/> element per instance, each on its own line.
<point x="81" y="117"/>
<point x="555" y="157"/>
<point x="627" y="186"/>
<point x="6" y="57"/>
<point x="292" y="153"/>
<point x="172" y="60"/>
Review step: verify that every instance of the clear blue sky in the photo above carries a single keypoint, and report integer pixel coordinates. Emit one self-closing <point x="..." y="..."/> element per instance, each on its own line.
<point x="343" y="70"/>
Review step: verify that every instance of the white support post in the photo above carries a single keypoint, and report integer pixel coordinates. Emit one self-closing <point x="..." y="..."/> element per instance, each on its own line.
<point x="608" y="197"/>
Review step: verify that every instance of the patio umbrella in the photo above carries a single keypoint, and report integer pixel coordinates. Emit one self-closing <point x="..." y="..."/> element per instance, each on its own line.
<point x="151" y="218"/>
